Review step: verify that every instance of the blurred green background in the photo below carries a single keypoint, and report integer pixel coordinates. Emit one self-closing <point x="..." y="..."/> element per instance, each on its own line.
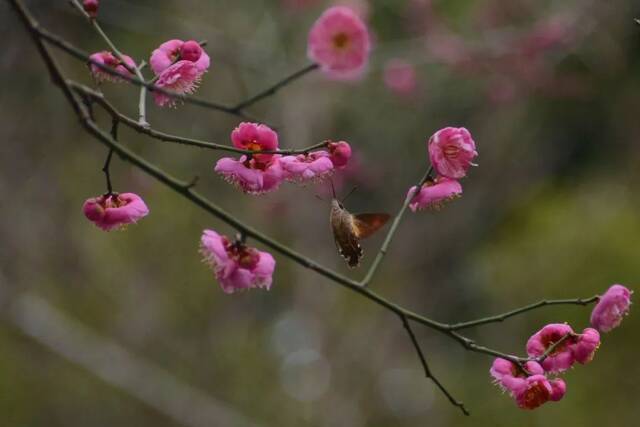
<point x="130" y="328"/>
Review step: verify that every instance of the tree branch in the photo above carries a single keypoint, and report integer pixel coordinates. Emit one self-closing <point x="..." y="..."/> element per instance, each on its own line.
<point x="277" y="86"/>
<point x="392" y="230"/>
<point x="142" y="105"/>
<point x="165" y="137"/>
<point x="515" y="312"/>
<point x="84" y="56"/>
<point x="427" y="370"/>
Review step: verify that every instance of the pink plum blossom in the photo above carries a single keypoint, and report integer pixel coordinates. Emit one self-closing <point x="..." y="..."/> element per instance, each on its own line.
<point x="251" y="175"/>
<point x="536" y="391"/>
<point x="451" y="151"/>
<point x="91" y="7"/>
<point x="529" y="386"/>
<point x="400" y="77"/>
<point x="108" y="59"/>
<point x="236" y="265"/>
<point x="611" y="308"/>
<point x="114" y="211"/>
<point x="339" y="43"/>
<point x="307" y="167"/>
<point x="179" y="67"/>
<point x="585" y="345"/>
<point x="173" y="51"/>
<point x="558" y="389"/>
<point x="510" y="377"/>
<point x="434" y="194"/>
<point x="339" y="153"/>
<point x="255" y="137"/>
<point x="562" y="357"/>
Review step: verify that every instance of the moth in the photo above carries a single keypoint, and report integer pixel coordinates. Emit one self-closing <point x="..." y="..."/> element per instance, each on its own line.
<point x="348" y="229"/>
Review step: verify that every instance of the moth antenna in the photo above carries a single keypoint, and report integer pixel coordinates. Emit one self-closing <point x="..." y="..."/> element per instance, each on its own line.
<point x="317" y="196"/>
<point x="353" y="190"/>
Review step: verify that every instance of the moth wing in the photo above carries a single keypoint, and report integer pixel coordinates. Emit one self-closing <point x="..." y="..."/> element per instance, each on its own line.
<point x="368" y="223"/>
<point x="350" y="249"/>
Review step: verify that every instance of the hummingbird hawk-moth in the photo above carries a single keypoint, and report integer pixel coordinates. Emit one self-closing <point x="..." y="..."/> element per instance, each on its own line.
<point x="348" y="229"/>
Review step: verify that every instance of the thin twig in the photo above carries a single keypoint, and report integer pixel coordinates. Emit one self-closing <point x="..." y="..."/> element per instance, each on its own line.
<point x="142" y="105"/>
<point x="506" y="315"/>
<point x="392" y="230"/>
<point x="427" y="370"/>
<point x="277" y="86"/>
<point x="107" y="173"/>
<point x="553" y="347"/>
<point x="161" y="136"/>
<point x="84" y="56"/>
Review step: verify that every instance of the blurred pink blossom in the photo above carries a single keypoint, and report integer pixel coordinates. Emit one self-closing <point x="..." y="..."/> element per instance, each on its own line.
<point x="110" y="60"/>
<point x="236" y="265"/>
<point x="400" y="77"/>
<point x="114" y="211"/>
<point x="339" y="43"/>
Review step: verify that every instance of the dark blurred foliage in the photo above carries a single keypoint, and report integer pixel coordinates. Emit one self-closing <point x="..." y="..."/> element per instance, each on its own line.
<point x="551" y="93"/>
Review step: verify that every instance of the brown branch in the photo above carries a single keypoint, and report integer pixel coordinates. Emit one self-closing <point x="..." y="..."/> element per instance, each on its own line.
<point x="506" y="315"/>
<point x="427" y="370"/>
<point x="99" y="98"/>
<point x="277" y="86"/>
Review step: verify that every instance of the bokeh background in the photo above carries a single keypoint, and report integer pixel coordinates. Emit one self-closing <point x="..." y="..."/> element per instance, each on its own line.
<point x="130" y="328"/>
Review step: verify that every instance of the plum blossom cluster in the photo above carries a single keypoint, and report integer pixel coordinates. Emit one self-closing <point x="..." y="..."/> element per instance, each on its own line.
<point x="338" y="43"/>
<point x="265" y="170"/>
<point x="451" y="152"/>
<point x="556" y="348"/>
<point x="178" y="66"/>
